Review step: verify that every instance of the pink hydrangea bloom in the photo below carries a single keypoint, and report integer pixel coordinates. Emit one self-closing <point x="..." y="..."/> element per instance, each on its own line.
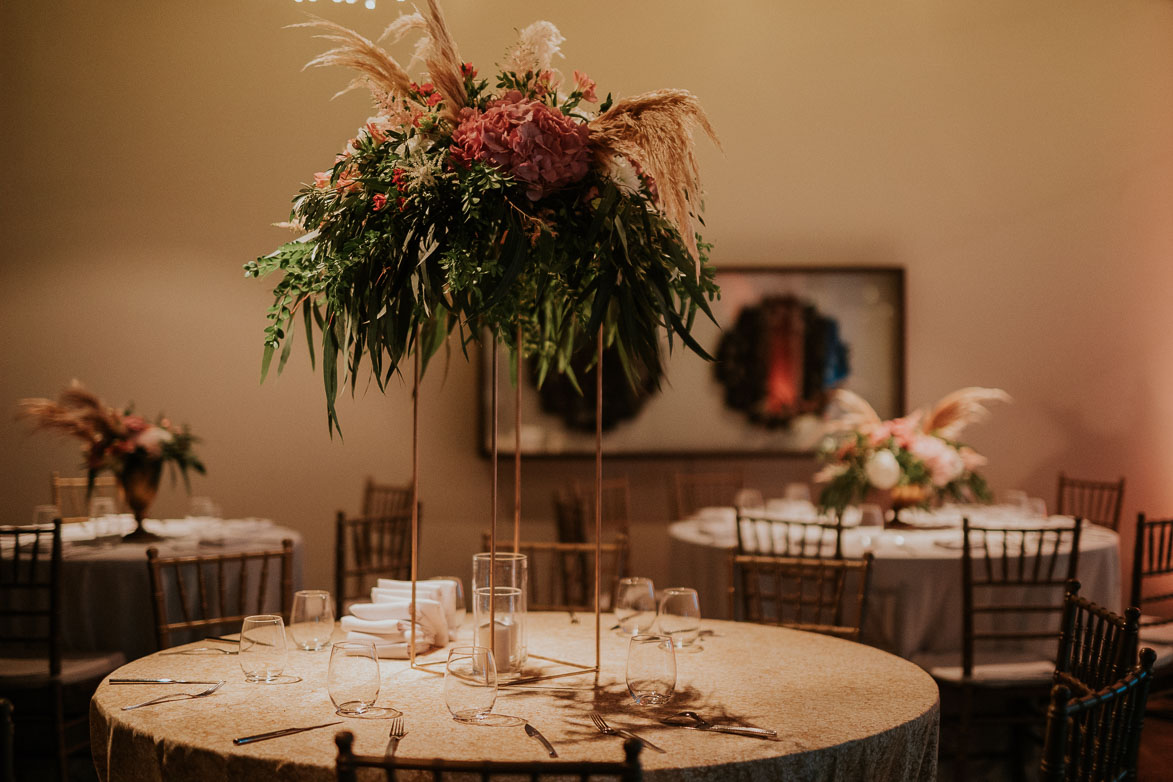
<point x="534" y="143"/>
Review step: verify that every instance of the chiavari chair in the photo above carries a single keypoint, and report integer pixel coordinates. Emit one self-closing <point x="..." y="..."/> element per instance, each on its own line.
<point x="1099" y="502"/>
<point x="204" y="586"/>
<point x="368" y="548"/>
<point x="561" y="575"/>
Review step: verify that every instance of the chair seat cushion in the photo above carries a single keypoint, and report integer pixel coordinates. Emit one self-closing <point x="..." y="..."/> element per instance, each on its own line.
<point x="19" y="673"/>
<point x="992" y="669"/>
<point x="1156" y="630"/>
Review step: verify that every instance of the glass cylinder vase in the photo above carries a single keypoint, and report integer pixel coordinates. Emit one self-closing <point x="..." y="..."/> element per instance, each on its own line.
<point x="507" y="637"/>
<point x="510" y="570"/>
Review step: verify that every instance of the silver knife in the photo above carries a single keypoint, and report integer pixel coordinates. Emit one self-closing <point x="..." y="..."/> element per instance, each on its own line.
<point x="627" y="734"/>
<point x="274" y="734"/>
<point x="159" y="681"/>
<point x="737" y="730"/>
<point x="532" y="731"/>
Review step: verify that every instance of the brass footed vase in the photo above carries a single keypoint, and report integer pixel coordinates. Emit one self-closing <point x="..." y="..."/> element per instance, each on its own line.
<point x="139" y="480"/>
<point x="903" y="497"/>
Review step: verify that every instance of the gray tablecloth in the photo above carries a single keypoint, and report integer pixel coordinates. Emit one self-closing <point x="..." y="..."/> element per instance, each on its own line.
<point x="915" y="600"/>
<point x="106" y="598"/>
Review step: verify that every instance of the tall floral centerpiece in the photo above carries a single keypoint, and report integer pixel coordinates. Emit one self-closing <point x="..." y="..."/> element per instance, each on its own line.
<point x="910" y="460"/>
<point x="125" y="443"/>
<point x="518" y="205"/>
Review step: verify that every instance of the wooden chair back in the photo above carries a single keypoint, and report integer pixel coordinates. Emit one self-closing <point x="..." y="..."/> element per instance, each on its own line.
<point x="348" y="765"/>
<point x="70" y="495"/>
<point x="1099" y="502"/>
<point x="383" y="499"/>
<point x="616" y="505"/>
<point x="570" y="517"/>
<point x="215" y="576"/>
<point x="562" y="575"/>
<point x="1097" y="736"/>
<point x="757" y="534"/>
<point x="1152" y="563"/>
<point x="30" y="592"/>
<point x="695" y="490"/>
<point x="368" y="548"/>
<point x="801" y="593"/>
<point x="997" y="566"/>
<point x="7" y="742"/>
<point x="1096" y="646"/>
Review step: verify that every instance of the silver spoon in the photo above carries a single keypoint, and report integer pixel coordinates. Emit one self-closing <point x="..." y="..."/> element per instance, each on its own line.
<point x="702" y="724"/>
<point x="176" y="696"/>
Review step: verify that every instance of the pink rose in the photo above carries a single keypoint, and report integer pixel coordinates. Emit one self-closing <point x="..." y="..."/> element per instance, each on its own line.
<point x="536" y="144"/>
<point x="942" y="460"/>
<point x="378" y="201"/>
<point x="322" y="180"/>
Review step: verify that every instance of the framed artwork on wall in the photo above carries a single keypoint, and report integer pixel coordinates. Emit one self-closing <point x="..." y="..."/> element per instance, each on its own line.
<point x="785" y="337"/>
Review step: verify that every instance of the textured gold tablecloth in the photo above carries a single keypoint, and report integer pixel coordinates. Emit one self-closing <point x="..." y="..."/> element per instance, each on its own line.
<point x="843" y="711"/>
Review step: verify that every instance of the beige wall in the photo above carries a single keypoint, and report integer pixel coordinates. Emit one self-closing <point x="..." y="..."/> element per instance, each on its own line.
<point x="1016" y="157"/>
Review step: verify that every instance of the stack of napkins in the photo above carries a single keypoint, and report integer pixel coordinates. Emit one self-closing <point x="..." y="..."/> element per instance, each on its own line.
<point x="386" y="620"/>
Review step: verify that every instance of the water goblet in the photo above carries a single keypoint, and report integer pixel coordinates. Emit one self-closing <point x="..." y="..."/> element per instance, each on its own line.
<point x="353" y="677"/>
<point x="312" y="620"/>
<point x="635" y="605"/>
<point x="680" y="616"/>
<point x="651" y="669"/>
<point x="262" y="647"/>
<point x="470" y="683"/>
<point x="102" y="511"/>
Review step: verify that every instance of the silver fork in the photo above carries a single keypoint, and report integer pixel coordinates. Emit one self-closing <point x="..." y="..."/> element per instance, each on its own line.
<point x="174" y="696"/>
<point x="398" y="731"/>
<point x="603" y="727"/>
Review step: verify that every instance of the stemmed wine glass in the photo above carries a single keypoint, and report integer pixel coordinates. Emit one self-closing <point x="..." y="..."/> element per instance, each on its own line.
<point x="635" y="605"/>
<point x="680" y="616"/>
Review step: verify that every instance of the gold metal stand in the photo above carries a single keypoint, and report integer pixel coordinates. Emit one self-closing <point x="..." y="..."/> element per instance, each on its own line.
<point x="576" y="669"/>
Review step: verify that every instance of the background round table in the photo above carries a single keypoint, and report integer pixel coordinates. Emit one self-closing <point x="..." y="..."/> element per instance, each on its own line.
<point x="914" y="605"/>
<point x="842" y="711"/>
<point x="105" y="591"/>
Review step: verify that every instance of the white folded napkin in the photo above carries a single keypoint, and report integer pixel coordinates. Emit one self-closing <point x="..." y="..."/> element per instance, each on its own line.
<point x="386" y="612"/>
<point x="394" y="650"/>
<point x="441" y="591"/>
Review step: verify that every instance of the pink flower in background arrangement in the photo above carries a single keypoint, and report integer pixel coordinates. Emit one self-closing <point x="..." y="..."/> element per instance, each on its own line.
<point x="378" y="202"/>
<point x="536" y="144"/>
<point x="586" y="85"/>
<point x="943" y="461"/>
<point x="152" y="440"/>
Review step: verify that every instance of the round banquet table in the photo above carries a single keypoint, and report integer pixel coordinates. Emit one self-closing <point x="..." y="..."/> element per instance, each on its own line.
<point x="842" y="711"/>
<point x="914" y="602"/>
<point x="105" y="590"/>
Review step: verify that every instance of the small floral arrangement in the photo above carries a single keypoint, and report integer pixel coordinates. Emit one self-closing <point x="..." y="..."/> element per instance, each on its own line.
<point x="913" y="458"/>
<point x="516" y="204"/>
<point x="112" y="439"/>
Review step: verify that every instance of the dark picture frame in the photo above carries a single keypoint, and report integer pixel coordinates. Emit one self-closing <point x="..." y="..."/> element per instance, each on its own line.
<point x="690" y="416"/>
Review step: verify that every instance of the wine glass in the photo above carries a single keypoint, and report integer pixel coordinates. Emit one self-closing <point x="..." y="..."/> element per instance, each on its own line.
<point x="635" y="605"/>
<point x="102" y="512"/>
<point x="651" y="669"/>
<point x="470" y="683"/>
<point x="749" y="499"/>
<point x="353" y="677"/>
<point x="312" y="620"/>
<point x="262" y="647"/>
<point x="680" y="616"/>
